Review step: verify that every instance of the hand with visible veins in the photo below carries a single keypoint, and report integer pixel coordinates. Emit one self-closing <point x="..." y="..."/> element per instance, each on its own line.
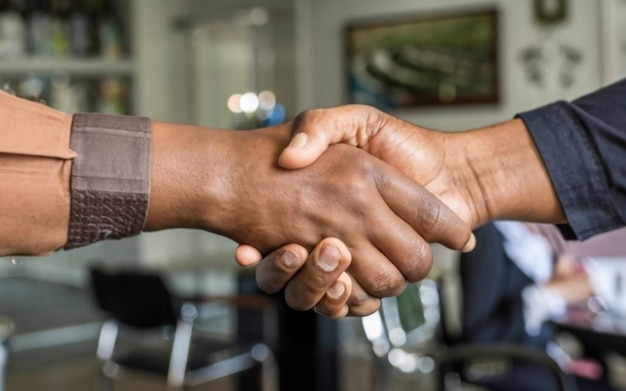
<point x="482" y="175"/>
<point x="384" y="218"/>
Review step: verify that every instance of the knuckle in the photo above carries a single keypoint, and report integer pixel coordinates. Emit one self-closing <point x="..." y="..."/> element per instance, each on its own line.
<point x="419" y="262"/>
<point x="430" y="215"/>
<point x="306" y="117"/>
<point x="359" y="298"/>
<point x="366" y="308"/>
<point x="359" y="188"/>
<point x="386" y="283"/>
<point x="317" y="282"/>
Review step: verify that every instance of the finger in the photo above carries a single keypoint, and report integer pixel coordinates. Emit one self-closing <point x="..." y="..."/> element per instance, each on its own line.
<point x="307" y="144"/>
<point x="423" y="211"/>
<point x="276" y="269"/>
<point x="246" y="255"/>
<point x="327" y="261"/>
<point x="377" y="273"/>
<point x="334" y="304"/>
<point x="406" y="249"/>
<point x="360" y="302"/>
<point x="315" y="130"/>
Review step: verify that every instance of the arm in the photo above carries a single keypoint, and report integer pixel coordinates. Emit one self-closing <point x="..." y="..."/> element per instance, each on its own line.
<point x="130" y="175"/>
<point x="560" y="163"/>
<point x="333" y="198"/>
<point x="35" y="165"/>
<point x="583" y="144"/>
<point x="484" y="174"/>
<point x="569" y="154"/>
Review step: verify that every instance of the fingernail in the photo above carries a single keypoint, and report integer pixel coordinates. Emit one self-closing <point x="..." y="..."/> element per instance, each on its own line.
<point x="298" y="141"/>
<point x="336" y="291"/>
<point x="329" y="259"/>
<point x="469" y="246"/>
<point x="289" y="259"/>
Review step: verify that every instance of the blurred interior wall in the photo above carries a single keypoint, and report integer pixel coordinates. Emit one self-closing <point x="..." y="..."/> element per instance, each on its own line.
<point x="320" y="48"/>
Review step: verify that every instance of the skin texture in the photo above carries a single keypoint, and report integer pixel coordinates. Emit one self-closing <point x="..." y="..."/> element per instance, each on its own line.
<point x="384" y="218"/>
<point x="483" y="174"/>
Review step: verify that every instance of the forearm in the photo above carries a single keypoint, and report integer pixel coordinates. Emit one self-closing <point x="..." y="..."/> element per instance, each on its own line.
<point x="583" y="144"/>
<point x="504" y="174"/>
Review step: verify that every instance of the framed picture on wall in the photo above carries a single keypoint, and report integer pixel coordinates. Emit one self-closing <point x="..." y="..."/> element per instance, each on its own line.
<point x="423" y="60"/>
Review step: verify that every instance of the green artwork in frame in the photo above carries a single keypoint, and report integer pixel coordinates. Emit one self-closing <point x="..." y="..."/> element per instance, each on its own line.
<point x="423" y="60"/>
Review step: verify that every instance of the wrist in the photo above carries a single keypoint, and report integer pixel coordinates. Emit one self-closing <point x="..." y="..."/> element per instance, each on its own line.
<point x="505" y="175"/>
<point x="188" y="172"/>
<point x="211" y="179"/>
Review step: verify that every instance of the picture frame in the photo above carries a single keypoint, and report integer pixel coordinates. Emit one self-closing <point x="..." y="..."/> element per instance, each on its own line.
<point x="550" y="11"/>
<point x="423" y="60"/>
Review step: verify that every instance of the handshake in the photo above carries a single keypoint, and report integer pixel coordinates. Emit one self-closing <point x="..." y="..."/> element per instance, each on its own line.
<point x="338" y="207"/>
<point x="343" y="202"/>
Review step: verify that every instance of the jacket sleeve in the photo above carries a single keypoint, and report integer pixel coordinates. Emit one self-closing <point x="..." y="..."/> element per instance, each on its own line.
<point x="583" y="146"/>
<point x="68" y="181"/>
<point x="35" y="166"/>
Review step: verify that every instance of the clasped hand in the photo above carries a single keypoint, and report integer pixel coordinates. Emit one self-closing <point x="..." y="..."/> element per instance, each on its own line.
<point x="375" y="221"/>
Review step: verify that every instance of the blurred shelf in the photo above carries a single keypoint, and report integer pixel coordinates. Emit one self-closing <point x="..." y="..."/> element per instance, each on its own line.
<point x="81" y="67"/>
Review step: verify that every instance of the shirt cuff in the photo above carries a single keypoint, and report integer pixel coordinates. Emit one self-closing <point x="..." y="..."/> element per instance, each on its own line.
<point x="110" y="181"/>
<point x="574" y="168"/>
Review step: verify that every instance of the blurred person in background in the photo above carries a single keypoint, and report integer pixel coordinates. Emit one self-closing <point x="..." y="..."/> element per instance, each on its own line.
<point x="521" y="276"/>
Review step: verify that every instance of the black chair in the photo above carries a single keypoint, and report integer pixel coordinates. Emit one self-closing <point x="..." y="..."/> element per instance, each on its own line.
<point x="138" y="301"/>
<point x="492" y="366"/>
<point x="407" y="335"/>
<point x="497" y="364"/>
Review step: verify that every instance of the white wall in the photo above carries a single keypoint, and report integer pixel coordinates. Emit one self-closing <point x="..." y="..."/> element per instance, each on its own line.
<point x="320" y="72"/>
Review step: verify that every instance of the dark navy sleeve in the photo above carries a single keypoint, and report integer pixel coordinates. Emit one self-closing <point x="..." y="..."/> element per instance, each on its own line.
<point x="583" y="146"/>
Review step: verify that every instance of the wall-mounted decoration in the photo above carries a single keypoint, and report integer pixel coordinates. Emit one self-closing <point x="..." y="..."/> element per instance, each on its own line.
<point x="424" y="60"/>
<point x="549" y="64"/>
<point x="550" y="11"/>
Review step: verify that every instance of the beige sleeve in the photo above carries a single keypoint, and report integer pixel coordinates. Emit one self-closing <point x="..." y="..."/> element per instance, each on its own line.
<point x="35" y="166"/>
<point x="69" y="181"/>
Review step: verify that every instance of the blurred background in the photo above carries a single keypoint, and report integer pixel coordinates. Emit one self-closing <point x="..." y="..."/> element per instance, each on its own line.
<point x="243" y="64"/>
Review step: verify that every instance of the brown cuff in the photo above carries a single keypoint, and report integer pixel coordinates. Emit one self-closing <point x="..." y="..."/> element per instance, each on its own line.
<point x="110" y="180"/>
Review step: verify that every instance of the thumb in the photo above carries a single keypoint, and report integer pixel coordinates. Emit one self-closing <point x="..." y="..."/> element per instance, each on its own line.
<point x="303" y="150"/>
<point x="314" y="130"/>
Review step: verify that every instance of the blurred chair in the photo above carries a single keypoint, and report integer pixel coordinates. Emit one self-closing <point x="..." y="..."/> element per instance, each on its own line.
<point x="499" y="362"/>
<point x="407" y="335"/>
<point x="490" y="367"/>
<point x="138" y="301"/>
